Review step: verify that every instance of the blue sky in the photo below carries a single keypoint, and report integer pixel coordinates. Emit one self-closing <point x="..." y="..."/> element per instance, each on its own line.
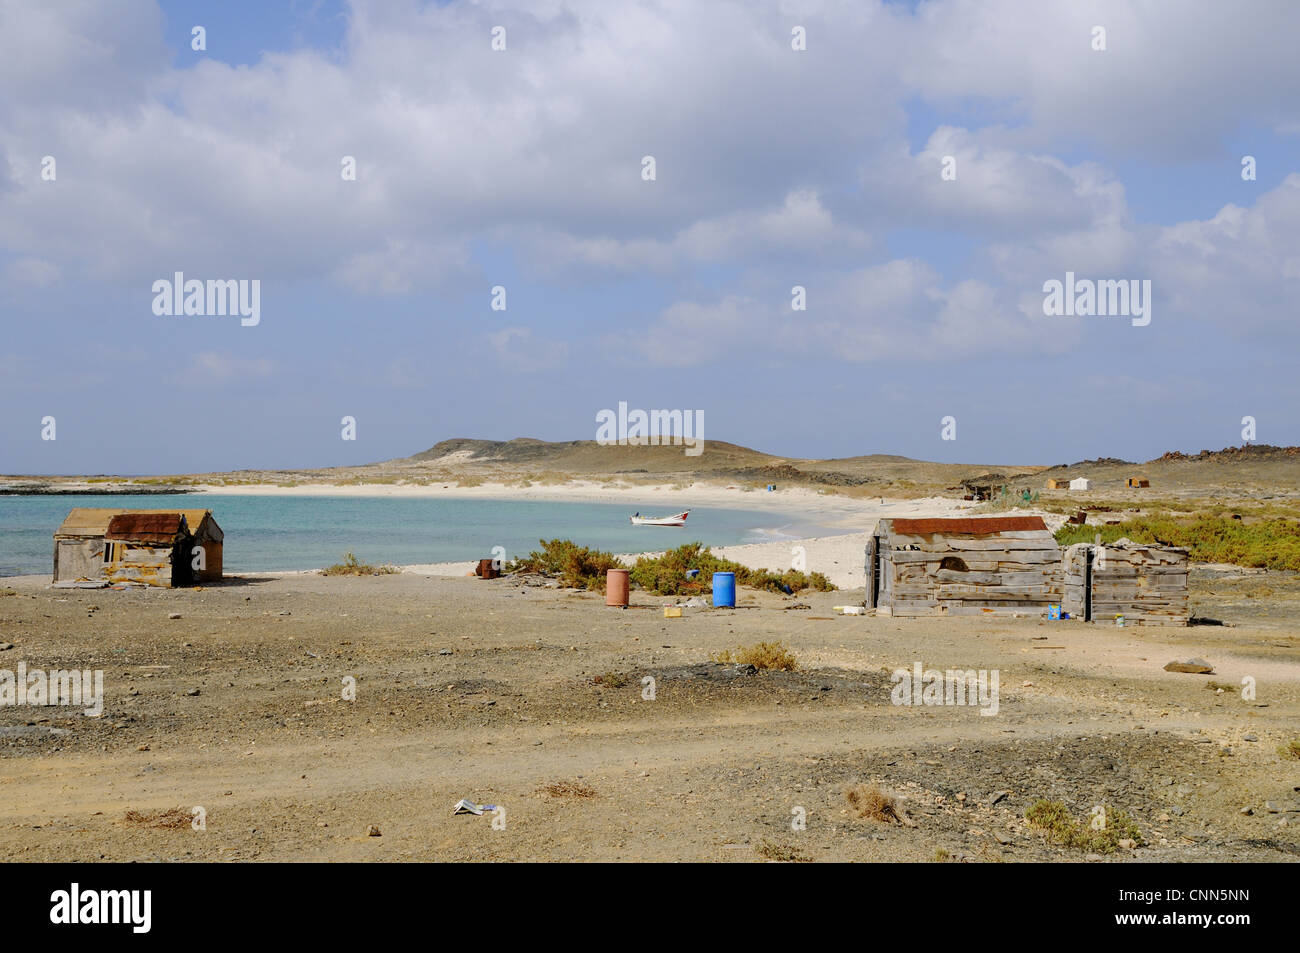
<point x="522" y="168"/>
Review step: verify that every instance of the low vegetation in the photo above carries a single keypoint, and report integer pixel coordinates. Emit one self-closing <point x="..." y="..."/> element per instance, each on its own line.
<point x="1053" y="818"/>
<point x="351" y="566"/>
<point x="780" y="853"/>
<point x="584" y="568"/>
<point x="1291" y="749"/>
<point x="575" y="789"/>
<point x="869" y="802"/>
<point x="1268" y="543"/>
<point x="666" y="574"/>
<point x="770" y="656"/>
<point x="574" y="565"/>
<point x="172" y="819"/>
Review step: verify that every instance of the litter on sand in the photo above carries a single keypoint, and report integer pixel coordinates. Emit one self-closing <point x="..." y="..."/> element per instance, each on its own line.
<point x="466" y="806"/>
<point x="850" y="610"/>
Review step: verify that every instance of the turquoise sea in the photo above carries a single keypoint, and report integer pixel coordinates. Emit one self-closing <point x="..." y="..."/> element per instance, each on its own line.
<point x="266" y="533"/>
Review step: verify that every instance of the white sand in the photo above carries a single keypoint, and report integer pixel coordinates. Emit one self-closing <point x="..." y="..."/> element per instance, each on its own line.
<point x="838" y="557"/>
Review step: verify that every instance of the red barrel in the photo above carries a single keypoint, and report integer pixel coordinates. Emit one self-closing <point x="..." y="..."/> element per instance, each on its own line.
<point x="616" y="587"/>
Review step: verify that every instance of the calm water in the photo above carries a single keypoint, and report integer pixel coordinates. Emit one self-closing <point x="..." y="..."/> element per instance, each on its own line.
<point x="298" y="532"/>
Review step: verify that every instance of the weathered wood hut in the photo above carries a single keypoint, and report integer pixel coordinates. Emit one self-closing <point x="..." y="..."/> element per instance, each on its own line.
<point x="1146" y="584"/>
<point x="1058" y="484"/>
<point x="81" y="544"/>
<point x="993" y="565"/>
<point x="79" y="547"/>
<point x="147" y="548"/>
<point x="1138" y="482"/>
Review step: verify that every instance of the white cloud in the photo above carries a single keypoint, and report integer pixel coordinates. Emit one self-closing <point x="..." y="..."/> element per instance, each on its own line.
<point x="35" y="272"/>
<point x="517" y="348"/>
<point x="223" y="367"/>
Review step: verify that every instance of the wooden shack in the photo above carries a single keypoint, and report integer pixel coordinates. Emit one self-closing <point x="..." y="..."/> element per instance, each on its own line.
<point x="1058" y="484"/>
<point x="147" y="548"/>
<point x="1138" y="482"/>
<point x="81" y="544"/>
<point x="79" y="547"/>
<point x="1146" y="584"/>
<point x="988" y="566"/>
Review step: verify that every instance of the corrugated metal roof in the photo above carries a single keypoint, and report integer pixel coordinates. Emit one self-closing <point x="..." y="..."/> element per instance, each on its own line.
<point x="969" y="527"/>
<point x="146" y="527"/>
<point x="93" y="521"/>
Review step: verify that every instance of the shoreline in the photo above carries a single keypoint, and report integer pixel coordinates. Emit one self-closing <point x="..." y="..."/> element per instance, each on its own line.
<point x="808" y="515"/>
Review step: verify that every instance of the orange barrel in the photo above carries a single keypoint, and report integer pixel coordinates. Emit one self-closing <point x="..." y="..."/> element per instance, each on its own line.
<point x="616" y="587"/>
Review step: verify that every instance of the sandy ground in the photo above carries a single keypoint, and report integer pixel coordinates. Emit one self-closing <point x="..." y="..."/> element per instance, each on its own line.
<point x="494" y="690"/>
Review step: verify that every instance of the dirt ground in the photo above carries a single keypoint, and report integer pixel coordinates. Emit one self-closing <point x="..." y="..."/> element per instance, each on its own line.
<point x="492" y="690"/>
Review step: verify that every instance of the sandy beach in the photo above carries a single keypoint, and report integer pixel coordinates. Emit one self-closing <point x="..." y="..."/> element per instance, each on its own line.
<point x="839" y="557"/>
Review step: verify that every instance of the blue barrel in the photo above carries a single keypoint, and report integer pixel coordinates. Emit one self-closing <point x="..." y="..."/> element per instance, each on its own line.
<point x="724" y="589"/>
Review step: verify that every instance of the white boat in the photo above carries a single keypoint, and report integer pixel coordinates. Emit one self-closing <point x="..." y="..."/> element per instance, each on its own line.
<point x="678" y="520"/>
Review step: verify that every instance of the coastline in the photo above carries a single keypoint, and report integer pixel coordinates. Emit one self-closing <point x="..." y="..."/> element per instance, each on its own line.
<point x="799" y="528"/>
<point x="807" y="514"/>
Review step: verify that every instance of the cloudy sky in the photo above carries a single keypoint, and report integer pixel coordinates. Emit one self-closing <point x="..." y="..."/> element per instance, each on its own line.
<point x="522" y="168"/>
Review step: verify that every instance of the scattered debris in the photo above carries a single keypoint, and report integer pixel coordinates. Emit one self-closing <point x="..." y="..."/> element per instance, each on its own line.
<point x="466" y="806"/>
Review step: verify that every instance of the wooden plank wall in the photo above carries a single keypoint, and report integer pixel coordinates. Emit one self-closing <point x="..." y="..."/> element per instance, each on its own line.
<point x="1147" y="585"/>
<point x="1005" y="573"/>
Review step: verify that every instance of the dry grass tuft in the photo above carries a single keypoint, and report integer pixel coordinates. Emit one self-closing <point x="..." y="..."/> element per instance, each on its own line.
<point x="351" y="566"/>
<point x="765" y="655"/>
<point x="1291" y="749"/>
<point x="869" y="802"/>
<point x="780" y="854"/>
<point x="172" y="819"/>
<point x="567" y="789"/>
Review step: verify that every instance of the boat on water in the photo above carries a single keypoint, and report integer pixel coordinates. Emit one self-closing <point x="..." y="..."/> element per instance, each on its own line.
<point x="678" y="520"/>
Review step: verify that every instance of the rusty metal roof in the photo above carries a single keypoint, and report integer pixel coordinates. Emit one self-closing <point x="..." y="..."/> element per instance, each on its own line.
<point x="146" y="527"/>
<point x="969" y="527"/>
<point x="93" y="521"/>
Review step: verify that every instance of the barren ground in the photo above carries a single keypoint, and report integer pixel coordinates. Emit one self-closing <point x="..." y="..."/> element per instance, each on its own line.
<point x="485" y="689"/>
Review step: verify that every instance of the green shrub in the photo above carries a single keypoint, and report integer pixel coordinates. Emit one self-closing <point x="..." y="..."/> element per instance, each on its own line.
<point x="1053" y="819"/>
<point x="351" y="566"/>
<point x="1269" y="544"/>
<point x="573" y="565"/>
<point x="666" y="574"/>
<point x="585" y="568"/>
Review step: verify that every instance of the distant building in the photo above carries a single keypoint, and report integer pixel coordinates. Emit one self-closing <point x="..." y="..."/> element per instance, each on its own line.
<point x="1138" y="482"/>
<point x="93" y="547"/>
<point x="1057" y="484"/>
<point x="1080" y="483"/>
